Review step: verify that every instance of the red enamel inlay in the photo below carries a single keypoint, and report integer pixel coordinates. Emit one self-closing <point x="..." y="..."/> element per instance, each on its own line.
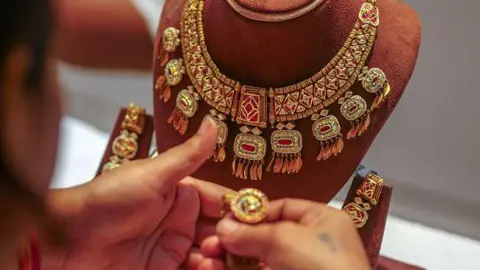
<point x="324" y="129"/>
<point x="359" y="215"/>
<point x="248" y="147"/>
<point x="250" y="108"/>
<point x="182" y="101"/>
<point x="353" y="108"/>
<point x="284" y="142"/>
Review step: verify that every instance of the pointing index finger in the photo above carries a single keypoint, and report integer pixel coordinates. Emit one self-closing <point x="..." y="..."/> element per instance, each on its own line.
<point x="179" y="162"/>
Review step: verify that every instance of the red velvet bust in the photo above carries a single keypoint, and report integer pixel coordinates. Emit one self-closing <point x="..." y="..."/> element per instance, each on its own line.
<point x="274" y="54"/>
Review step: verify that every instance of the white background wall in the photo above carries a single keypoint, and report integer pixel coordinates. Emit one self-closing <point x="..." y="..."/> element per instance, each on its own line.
<point x="429" y="148"/>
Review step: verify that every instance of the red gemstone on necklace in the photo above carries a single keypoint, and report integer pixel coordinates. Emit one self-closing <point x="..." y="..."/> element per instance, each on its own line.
<point x="325" y="129"/>
<point x="284" y="142"/>
<point x="248" y="147"/>
<point x="353" y="108"/>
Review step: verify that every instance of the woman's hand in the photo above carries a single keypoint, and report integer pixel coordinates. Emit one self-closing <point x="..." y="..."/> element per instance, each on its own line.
<point x="298" y="234"/>
<point x="144" y="215"/>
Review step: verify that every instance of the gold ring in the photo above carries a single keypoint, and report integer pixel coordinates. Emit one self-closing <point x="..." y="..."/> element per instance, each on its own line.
<point x="248" y="205"/>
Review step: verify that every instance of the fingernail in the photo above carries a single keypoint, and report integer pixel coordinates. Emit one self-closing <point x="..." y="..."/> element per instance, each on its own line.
<point x="207" y="124"/>
<point x="227" y="226"/>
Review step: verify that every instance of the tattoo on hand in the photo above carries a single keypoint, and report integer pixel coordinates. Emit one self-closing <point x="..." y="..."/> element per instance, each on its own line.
<point x="326" y="238"/>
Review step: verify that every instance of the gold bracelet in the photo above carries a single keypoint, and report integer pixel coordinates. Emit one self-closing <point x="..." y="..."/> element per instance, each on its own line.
<point x="370" y="191"/>
<point x="125" y="145"/>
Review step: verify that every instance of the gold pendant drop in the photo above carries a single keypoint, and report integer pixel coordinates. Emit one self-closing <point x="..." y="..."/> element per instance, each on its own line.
<point x="219" y="154"/>
<point x="174" y="71"/>
<point x="186" y="107"/>
<point x="375" y="81"/>
<point x="326" y="130"/>
<point x="250" y="151"/>
<point x="355" y="111"/>
<point x="369" y="13"/>
<point x="286" y="145"/>
<point x="170" y="42"/>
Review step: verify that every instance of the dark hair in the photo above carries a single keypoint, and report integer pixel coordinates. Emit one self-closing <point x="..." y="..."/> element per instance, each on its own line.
<point x="25" y="23"/>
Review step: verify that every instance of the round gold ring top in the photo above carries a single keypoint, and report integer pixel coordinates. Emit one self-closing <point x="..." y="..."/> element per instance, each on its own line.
<point x="249" y="206"/>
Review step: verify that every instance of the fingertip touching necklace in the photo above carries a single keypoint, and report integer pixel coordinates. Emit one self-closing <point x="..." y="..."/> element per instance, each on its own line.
<point x="256" y="107"/>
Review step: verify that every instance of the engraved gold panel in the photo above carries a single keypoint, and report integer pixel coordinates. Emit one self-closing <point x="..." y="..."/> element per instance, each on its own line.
<point x="253" y="107"/>
<point x="371" y="188"/>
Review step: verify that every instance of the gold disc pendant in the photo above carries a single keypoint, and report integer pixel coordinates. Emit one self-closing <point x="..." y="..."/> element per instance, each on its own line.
<point x="186" y="107"/>
<point x="173" y="75"/>
<point x="169" y="43"/>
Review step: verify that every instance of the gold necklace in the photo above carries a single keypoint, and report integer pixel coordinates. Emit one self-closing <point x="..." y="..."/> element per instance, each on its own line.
<point x="253" y="107"/>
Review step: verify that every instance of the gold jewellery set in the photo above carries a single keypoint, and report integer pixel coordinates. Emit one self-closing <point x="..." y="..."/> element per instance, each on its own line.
<point x="256" y="108"/>
<point x="125" y="145"/>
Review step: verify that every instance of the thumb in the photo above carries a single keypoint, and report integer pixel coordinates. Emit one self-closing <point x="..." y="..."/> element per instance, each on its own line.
<point x="168" y="168"/>
<point x="264" y="241"/>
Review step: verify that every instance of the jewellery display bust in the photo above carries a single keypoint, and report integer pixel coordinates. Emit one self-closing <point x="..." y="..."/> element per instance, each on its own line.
<point x="273" y="44"/>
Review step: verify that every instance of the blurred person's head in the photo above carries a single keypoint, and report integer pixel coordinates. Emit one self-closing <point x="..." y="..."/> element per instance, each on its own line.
<point x="29" y="115"/>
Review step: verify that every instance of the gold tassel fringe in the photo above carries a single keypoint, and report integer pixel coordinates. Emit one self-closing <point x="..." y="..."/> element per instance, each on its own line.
<point x="247" y="169"/>
<point x="330" y="148"/>
<point x="178" y="121"/>
<point x="219" y="154"/>
<point x="359" y="126"/>
<point x="285" y="163"/>
<point x="164" y="91"/>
